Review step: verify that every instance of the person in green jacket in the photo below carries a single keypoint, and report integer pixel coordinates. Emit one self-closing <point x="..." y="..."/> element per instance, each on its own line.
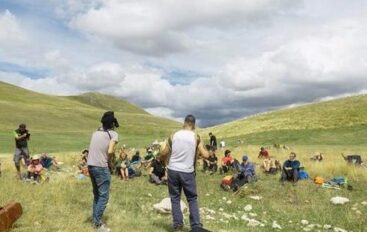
<point x="22" y="137"/>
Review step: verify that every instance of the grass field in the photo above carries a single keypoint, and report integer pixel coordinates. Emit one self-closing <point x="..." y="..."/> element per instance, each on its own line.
<point x="64" y="204"/>
<point x="63" y="126"/>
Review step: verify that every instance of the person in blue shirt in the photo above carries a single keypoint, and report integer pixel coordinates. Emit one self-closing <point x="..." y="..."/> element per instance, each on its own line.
<point x="290" y="169"/>
<point x="246" y="173"/>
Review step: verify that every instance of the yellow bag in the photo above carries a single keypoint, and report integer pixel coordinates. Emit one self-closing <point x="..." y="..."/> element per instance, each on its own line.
<point x="319" y="180"/>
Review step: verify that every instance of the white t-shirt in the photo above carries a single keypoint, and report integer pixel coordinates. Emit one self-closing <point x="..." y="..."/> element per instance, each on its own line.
<point x="98" y="147"/>
<point x="183" y="151"/>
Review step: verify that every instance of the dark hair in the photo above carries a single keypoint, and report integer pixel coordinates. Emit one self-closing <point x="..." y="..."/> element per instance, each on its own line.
<point x="210" y="133"/>
<point x="190" y="119"/>
<point x="22" y="126"/>
<point x="85" y="151"/>
<point x="227" y="152"/>
<point x="293" y="153"/>
<point x="109" y="121"/>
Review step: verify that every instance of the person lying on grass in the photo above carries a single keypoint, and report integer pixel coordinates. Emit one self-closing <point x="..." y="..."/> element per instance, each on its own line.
<point x="122" y="165"/>
<point x="290" y="169"/>
<point x="158" y="172"/>
<point x="48" y="162"/>
<point x="210" y="164"/>
<point x="246" y="174"/>
<point x="226" y="163"/>
<point x="35" y="168"/>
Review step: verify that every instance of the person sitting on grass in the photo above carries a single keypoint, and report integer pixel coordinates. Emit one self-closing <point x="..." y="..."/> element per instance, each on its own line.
<point x="136" y="160"/>
<point x="271" y="166"/>
<point x="210" y="164"/>
<point x="83" y="163"/>
<point x="158" y="172"/>
<point x="263" y="154"/>
<point x="227" y="161"/>
<point x="317" y="157"/>
<point x="290" y="169"/>
<point x="148" y="158"/>
<point x="35" y="168"/>
<point x="246" y="174"/>
<point x="122" y="165"/>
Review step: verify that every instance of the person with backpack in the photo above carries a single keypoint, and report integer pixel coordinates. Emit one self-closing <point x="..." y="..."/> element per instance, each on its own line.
<point x="22" y="137"/>
<point x="100" y="165"/>
<point x="182" y="148"/>
<point x="290" y="169"/>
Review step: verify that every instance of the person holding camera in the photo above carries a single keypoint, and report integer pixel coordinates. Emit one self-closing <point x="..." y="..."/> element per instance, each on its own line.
<point x="22" y="137"/>
<point x="100" y="162"/>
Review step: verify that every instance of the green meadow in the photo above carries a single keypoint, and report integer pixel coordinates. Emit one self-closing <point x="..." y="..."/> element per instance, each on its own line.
<point x="63" y="125"/>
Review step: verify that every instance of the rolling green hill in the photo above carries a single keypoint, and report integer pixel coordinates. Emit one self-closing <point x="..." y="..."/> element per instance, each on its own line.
<point x="66" y="123"/>
<point x="337" y="122"/>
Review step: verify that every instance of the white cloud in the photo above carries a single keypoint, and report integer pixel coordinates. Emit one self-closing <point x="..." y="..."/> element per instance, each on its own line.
<point x="246" y="56"/>
<point x="162" y="27"/>
<point x="10" y="30"/>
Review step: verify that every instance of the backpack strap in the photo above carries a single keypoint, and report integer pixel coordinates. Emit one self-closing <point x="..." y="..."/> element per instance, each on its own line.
<point x="109" y="135"/>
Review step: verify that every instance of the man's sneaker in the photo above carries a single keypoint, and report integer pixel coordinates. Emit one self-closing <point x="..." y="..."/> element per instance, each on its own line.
<point x="179" y="229"/>
<point x="199" y="229"/>
<point x="103" y="228"/>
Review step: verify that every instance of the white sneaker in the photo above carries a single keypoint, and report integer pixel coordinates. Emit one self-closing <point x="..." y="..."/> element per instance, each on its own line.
<point x="103" y="228"/>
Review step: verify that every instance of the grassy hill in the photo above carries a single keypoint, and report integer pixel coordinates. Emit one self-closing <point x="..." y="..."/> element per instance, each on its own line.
<point x="336" y="122"/>
<point x="67" y="122"/>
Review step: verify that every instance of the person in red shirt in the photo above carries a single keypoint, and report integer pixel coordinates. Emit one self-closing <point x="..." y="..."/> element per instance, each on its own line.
<point x="263" y="154"/>
<point x="226" y="162"/>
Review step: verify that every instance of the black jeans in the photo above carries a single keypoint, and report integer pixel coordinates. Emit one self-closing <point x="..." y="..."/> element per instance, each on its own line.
<point x="289" y="175"/>
<point x="178" y="181"/>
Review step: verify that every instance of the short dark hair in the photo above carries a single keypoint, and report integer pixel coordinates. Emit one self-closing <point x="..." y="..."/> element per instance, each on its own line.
<point x="227" y="152"/>
<point x="109" y="121"/>
<point x="190" y="119"/>
<point x="210" y="133"/>
<point x="22" y="125"/>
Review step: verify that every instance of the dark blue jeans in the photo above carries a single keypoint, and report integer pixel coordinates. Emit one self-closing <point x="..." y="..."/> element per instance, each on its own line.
<point x="178" y="181"/>
<point x="101" y="180"/>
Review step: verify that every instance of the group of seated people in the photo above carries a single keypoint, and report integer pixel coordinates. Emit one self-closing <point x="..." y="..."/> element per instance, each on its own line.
<point x="127" y="168"/>
<point x="245" y="171"/>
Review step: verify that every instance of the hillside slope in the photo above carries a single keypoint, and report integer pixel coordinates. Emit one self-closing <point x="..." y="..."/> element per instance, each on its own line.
<point x="107" y="102"/>
<point x="67" y="122"/>
<point x="341" y="121"/>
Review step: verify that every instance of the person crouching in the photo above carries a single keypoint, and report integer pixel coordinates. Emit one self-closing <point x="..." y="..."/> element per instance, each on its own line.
<point x="35" y="168"/>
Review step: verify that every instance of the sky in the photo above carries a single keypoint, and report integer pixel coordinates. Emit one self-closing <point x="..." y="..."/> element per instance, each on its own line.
<point x="220" y="59"/>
